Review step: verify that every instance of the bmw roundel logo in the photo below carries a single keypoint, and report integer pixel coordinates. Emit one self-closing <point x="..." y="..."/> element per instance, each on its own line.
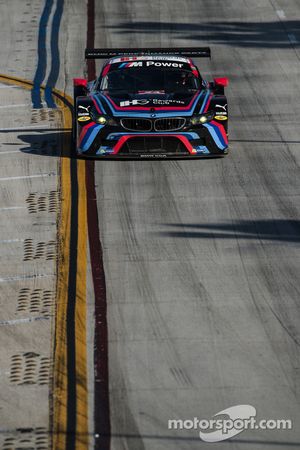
<point x="153" y="115"/>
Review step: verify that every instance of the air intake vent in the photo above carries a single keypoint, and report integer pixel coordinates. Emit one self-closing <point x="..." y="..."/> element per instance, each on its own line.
<point x="141" y="145"/>
<point x="136" y="124"/>
<point x="169" y="124"/>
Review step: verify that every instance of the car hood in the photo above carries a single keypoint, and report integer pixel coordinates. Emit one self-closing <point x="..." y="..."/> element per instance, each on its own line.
<point x="151" y="101"/>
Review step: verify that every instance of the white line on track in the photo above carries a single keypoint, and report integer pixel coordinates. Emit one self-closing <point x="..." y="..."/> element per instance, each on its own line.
<point x="25" y="127"/>
<point x="10" y="208"/>
<point x="9" y="152"/>
<point x="14" y="106"/>
<point x="23" y="177"/>
<point x="281" y="14"/>
<point x="9" y="241"/>
<point x="24" y="277"/>
<point x="5" y="86"/>
<point x="25" y="320"/>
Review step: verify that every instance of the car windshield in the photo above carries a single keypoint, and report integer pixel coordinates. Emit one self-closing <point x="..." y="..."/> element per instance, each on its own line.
<point x="150" y="79"/>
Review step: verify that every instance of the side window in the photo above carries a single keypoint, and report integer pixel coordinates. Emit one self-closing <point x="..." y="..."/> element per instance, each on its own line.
<point x="103" y="84"/>
<point x="92" y="85"/>
<point x="205" y="84"/>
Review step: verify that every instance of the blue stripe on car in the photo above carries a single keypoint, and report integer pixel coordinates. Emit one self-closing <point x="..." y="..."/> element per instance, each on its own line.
<point x="204" y="102"/>
<point x="96" y="98"/>
<point x="90" y="136"/>
<point x="216" y="135"/>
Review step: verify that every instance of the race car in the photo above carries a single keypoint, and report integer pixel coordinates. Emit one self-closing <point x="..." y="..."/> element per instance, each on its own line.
<point x="150" y="103"/>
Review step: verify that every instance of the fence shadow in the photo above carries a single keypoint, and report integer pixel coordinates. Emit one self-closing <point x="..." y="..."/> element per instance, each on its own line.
<point x="235" y="33"/>
<point x="269" y="229"/>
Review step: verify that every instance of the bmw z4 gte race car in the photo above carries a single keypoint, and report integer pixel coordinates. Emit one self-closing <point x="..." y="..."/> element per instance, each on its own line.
<point x="150" y="103"/>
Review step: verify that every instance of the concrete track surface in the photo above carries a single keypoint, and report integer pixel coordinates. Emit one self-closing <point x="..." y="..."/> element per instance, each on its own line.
<point x="201" y="258"/>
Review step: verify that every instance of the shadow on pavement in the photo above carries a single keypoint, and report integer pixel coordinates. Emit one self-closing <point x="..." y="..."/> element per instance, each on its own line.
<point x="235" y="33"/>
<point x="269" y="229"/>
<point x="50" y="143"/>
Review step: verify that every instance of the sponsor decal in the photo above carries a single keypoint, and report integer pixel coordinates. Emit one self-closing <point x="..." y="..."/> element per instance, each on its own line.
<point x="135" y="102"/>
<point x="150" y="64"/>
<point x="83" y="114"/>
<point x="222" y="106"/>
<point x="202" y="149"/>
<point x="152" y="58"/>
<point x="154" y="101"/>
<point x="156" y="155"/>
<point x="104" y="150"/>
<point x="163" y="64"/>
<point x="151" y="92"/>
<point x="85" y="108"/>
<point x="221" y="113"/>
<point x="158" y="101"/>
<point x="132" y="64"/>
<point x="221" y="117"/>
<point x="83" y="119"/>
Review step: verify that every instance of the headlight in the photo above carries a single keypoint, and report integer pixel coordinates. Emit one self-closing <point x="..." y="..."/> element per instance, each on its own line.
<point x="96" y="117"/>
<point x="101" y="119"/>
<point x="202" y="118"/>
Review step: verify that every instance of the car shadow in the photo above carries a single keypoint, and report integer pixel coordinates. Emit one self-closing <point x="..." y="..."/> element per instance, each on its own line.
<point x="56" y="143"/>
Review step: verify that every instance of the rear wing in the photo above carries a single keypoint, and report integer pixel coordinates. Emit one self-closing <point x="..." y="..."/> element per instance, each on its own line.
<point x="106" y="53"/>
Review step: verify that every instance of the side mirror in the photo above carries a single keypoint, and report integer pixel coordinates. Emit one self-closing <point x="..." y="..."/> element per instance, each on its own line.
<point x="82" y="82"/>
<point x="80" y="87"/>
<point x="221" y="82"/>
